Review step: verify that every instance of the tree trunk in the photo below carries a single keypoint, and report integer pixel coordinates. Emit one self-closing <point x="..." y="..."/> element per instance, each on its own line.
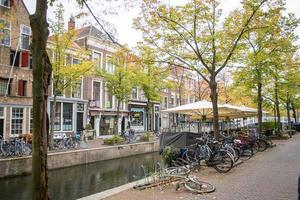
<point x="148" y="111"/>
<point x="41" y="81"/>
<point x="288" y="113"/>
<point x="52" y="120"/>
<point x="214" y="100"/>
<point x="259" y="106"/>
<point x="277" y="108"/>
<point x="294" y="111"/>
<point x="118" y="116"/>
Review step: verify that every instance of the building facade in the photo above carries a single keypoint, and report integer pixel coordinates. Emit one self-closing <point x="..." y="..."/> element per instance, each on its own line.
<point x="15" y="70"/>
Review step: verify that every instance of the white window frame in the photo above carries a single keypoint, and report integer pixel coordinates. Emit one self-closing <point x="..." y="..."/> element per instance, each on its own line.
<point x="11" y="118"/>
<point x="9" y="33"/>
<point x="21" y="32"/>
<point x="101" y="95"/>
<point x="81" y="89"/>
<point x="113" y="99"/>
<point x="107" y="64"/>
<point x="101" y="59"/>
<point x="5" y="5"/>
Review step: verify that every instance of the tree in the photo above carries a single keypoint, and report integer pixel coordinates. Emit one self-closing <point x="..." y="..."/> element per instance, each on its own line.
<point x="194" y="36"/>
<point x="41" y="80"/>
<point x="66" y="76"/>
<point x="152" y="79"/>
<point x="263" y="46"/>
<point x="121" y="80"/>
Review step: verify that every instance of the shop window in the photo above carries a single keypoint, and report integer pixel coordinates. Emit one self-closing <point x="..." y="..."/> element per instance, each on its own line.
<point x="137" y="118"/>
<point x="67" y="116"/>
<point x="57" y="116"/>
<point x="17" y="121"/>
<point x="25" y="37"/>
<point x="22" y="88"/>
<point x="4" y="32"/>
<point x="31" y="121"/>
<point x="3" y="86"/>
<point x="107" y="125"/>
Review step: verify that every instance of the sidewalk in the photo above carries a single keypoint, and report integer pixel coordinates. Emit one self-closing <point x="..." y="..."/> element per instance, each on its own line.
<point x="270" y="175"/>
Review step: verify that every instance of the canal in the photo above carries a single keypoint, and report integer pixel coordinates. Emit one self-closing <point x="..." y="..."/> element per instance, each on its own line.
<point x="83" y="180"/>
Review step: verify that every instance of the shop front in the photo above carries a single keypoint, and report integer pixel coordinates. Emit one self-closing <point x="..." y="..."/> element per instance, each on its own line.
<point x="138" y="118"/>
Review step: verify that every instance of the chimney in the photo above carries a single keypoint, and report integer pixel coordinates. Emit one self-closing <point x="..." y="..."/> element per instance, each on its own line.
<point x="71" y="23"/>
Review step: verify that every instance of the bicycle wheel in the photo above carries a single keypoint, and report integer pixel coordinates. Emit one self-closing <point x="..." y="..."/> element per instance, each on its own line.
<point x="176" y="171"/>
<point x="262" y="145"/>
<point x="222" y="161"/>
<point x="194" y="185"/>
<point x="246" y="153"/>
<point x="255" y="147"/>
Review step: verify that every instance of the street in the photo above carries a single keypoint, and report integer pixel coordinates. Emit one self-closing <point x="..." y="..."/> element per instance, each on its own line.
<point x="271" y="175"/>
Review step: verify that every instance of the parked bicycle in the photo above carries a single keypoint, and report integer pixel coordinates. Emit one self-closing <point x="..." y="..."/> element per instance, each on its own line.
<point x="14" y="147"/>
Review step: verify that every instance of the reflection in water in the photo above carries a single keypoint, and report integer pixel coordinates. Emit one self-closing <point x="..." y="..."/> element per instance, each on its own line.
<point x="79" y="181"/>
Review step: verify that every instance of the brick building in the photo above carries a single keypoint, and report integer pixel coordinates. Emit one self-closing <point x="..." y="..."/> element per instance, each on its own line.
<point x="15" y="69"/>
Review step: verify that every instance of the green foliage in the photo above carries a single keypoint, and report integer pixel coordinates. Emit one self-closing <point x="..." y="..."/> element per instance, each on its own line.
<point x="88" y="127"/>
<point x="169" y="153"/>
<point x="62" y="50"/>
<point x="269" y="125"/>
<point x="115" y="139"/>
<point x="145" y="137"/>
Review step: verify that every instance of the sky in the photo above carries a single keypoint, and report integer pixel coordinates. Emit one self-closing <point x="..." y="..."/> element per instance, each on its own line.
<point x="123" y="15"/>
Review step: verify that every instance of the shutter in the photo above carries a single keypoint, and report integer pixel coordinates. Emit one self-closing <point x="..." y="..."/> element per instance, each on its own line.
<point x="25" y="58"/>
<point x="11" y="3"/>
<point x="20" y="87"/>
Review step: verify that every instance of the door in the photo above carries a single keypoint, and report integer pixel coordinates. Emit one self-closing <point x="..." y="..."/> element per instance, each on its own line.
<point x="1" y="127"/>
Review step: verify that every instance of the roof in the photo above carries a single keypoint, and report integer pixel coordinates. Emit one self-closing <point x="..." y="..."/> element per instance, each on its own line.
<point x="91" y="31"/>
<point x="72" y="45"/>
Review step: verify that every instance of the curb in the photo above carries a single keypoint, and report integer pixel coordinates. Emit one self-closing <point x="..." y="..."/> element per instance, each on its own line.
<point x="110" y="192"/>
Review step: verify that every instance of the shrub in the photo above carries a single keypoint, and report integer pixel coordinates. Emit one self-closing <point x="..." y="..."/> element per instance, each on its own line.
<point x="169" y="153"/>
<point x="116" y="139"/>
<point x="269" y="125"/>
<point x="88" y="127"/>
<point x="145" y="137"/>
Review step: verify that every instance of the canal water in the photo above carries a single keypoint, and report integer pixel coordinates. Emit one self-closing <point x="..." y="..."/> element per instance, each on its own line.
<point x="83" y="180"/>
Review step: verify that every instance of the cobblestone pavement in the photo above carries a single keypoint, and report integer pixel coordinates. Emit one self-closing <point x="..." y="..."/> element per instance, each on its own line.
<point x="271" y="175"/>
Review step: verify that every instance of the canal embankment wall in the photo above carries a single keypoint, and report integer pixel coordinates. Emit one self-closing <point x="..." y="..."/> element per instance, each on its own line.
<point x="23" y="165"/>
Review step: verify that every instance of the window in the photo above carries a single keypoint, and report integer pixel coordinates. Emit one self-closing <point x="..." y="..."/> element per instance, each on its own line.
<point x="30" y="121"/>
<point x="108" y="99"/>
<point x="5" y="3"/>
<point x="22" y="88"/>
<point x="25" y="37"/>
<point x="1" y="112"/>
<point x="57" y="116"/>
<point x="172" y="101"/>
<point x="166" y="102"/>
<point x="14" y="58"/>
<point x="109" y="65"/>
<point x="75" y="61"/>
<point x="97" y="58"/>
<point x="137" y="117"/>
<point x="17" y="121"/>
<point x="96" y="93"/>
<point x="134" y="93"/>
<point x="4" y="32"/>
<point x="143" y="96"/>
<point x="67" y="116"/>
<point x="3" y="86"/>
<point x="76" y="89"/>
